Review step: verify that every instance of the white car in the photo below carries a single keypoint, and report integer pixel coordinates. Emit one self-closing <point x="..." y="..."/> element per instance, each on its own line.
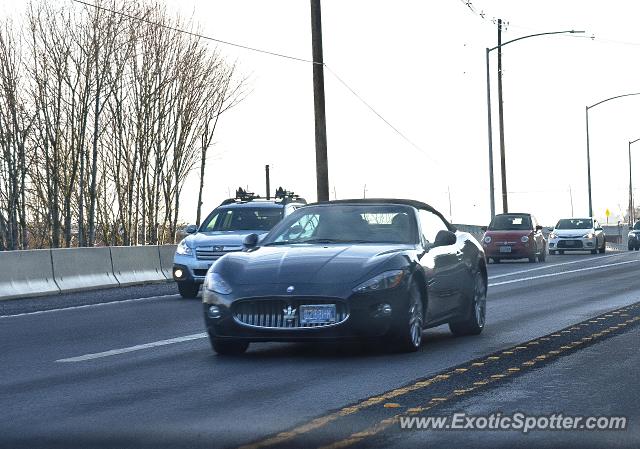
<point x="577" y="234"/>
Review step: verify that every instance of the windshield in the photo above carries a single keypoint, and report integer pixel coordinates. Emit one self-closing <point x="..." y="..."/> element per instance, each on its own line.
<point x="636" y="227"/>
<point x="242" y="219"/>
<point x="575" y="223"/>
<point x="511" y="223"/>
<point x="361" y="223"/>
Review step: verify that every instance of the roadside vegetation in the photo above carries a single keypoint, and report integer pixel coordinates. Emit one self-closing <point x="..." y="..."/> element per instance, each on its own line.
<point x="104" y="112"/>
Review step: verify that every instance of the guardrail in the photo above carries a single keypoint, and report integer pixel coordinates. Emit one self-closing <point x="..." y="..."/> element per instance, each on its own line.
<point x="51" y="271"/>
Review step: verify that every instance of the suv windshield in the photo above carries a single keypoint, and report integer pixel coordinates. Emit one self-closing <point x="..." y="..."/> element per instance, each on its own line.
<point x="575" y="223"/>
<point x="242" y="219"/>
<point x="361" y="223"/>
<point x="510" y="223"/>
<point x="636" y="227"/>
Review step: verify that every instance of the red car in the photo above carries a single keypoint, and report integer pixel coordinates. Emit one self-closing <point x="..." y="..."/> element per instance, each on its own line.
<point x="514" y="236"/>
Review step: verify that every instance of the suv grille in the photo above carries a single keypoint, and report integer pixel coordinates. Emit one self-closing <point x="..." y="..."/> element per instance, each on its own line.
<point x="208" y="254"/>
<point x="573" y="244"/>
<point x="269" y="312"/>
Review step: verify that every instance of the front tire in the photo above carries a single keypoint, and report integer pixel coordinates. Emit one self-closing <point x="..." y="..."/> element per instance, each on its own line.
<point x="604" y="248"/>
<point x="188" y="290"/>
<point x="552" y="252"/>
<point x="408" y="336"/>
<point x="475" y="320"/>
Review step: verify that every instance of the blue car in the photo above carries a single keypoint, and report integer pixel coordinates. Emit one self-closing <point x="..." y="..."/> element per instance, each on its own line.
<point x="223" y="231"/>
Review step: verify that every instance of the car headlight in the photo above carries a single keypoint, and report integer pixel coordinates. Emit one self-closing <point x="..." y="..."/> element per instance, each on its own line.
<point x="183" y="249"/>
<point x="553" y="235"/>
<point x="590" y="235"/>
<point x="383" y="281"/>
<point x="524" y="239"/>
<point x="487" y="239"/>
<point x="631" y="235"/>
<point x="215" y="283"/>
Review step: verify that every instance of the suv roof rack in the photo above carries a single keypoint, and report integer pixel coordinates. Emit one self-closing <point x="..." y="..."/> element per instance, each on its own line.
<point x="287" y="196"/>
<point x="241" y="196"/>
<point x="282" y="197"/>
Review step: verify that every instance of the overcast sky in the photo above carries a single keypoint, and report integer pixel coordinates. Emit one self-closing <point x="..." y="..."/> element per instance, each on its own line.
<point x="421" y="65"/>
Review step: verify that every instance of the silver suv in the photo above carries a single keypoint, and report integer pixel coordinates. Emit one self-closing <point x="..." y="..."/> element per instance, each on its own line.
<point x="224" y="230"/>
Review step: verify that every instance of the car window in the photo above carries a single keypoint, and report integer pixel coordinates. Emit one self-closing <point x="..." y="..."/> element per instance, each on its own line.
<point x="242" y="219"/>
<point x="300" y="229"/>
<point x="430" y="225"/>
<point x="361" y="222"/>
<point x="574" y="223"/>
<point x="511" y="223"/>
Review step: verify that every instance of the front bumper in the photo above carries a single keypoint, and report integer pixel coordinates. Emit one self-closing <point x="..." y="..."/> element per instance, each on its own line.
<point x="193" y="270"/>
<point x="364" y="318"/>
<point x="572" y="244"/>
<point x="516" y="250"/>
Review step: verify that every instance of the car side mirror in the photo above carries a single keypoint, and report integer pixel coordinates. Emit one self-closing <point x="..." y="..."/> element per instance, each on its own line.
<point x="250" y="241"/>
<point x="445" y="238"/>
<point x="538" y="228"/>
<point x="483" y="228"/>
<point x="191" y="229"/>
<point x="599" y="229"/>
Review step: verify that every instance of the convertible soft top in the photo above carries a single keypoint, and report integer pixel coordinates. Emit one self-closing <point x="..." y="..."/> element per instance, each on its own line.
<point x="406" y="202"/>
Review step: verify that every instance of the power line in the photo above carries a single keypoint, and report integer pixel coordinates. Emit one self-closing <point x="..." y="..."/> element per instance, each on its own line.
<point x="191" y="33"/>
<point x="362" y="100"/>
<point x="267" y="52"/>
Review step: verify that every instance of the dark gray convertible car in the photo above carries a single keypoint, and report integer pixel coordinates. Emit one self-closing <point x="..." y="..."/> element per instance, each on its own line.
<point x="348" y="269"/>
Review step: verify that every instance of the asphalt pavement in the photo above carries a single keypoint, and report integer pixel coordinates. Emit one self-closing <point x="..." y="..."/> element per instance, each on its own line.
<point x="133" y="368"/>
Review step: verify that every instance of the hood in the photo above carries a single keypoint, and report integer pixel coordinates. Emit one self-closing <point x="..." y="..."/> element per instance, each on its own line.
<point x="219" y="238"/>
<point x="507" y="236"/>
<point x="572" y="232"/>
<point x="313" y="264"/>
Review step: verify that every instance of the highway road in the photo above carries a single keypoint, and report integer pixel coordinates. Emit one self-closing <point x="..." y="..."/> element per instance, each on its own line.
<point x="132" y="368"/>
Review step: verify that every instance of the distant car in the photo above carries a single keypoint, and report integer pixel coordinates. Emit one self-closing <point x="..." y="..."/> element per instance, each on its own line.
<point x="634" y="237"/>
<point x="577" y="234"/>
<point x="514" y="236"/>
<point x="223" y="232"/>
<point x="348" y="269"/>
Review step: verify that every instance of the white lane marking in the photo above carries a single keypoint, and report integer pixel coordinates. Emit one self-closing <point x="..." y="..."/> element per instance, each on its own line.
<point x="86" y="306"/>
<point x="545" y="267"/>
<point x="530" y="278"/>
<point x="98" y="355"/>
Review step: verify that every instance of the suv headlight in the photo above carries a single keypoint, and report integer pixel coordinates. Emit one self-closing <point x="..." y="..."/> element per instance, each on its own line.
<point x="553" y="235"/>
<point x="183" y="249"/>
<point x="589" y="235"/>
<point x="524" y="239"/>
<point x="487" y="239"/>
<point x="215" y="283"/>
<point x="383" y="281"/>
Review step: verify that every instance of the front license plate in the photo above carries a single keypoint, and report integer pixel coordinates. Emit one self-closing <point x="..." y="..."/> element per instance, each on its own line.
<point x="569" y="242"/>
<point x="320" y="313"/>
<point x="505" y="249"/>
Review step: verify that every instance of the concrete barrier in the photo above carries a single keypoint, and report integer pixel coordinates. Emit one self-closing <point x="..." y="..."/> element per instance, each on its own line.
<point x="26" y="273"/>
<point x="83" y="268"/>
<point x="136" y="264"/>
<point x="166" y="259"/>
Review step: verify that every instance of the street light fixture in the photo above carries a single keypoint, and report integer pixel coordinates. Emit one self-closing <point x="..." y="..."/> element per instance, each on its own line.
<point x="632" y="217"/>
<point x="490" y="132"/>
<point x="588" y="155"/>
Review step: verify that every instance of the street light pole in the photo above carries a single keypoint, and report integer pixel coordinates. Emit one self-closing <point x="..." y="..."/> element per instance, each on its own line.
<point x="631" y="209"/>
<point x="492" y="200"/>
<point x="503" y="162"/>
<point x="588" y="154"/>
<point x="489" y="124"/>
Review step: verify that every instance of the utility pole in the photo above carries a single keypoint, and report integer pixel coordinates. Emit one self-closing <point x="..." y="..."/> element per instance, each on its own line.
<point x="503" y="165"/>
<point x="322" y="165"/>
<point x="571" y="199"/>
<point x="266" y="169"/>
